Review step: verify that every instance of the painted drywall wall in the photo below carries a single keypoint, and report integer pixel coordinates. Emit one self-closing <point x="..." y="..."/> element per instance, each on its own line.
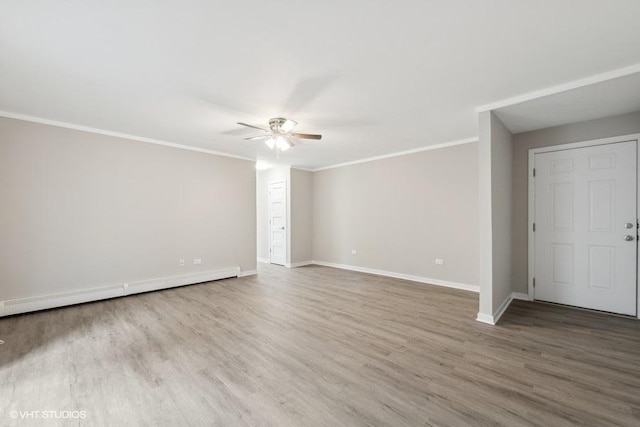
<point x="495" y="215"/>
<point x="401" y="213"/>
<point x="575" y="132"/>
<point x="81" y="210"/>
<point x="485" y="224"/>
<point x="263" y="178"/>
<point x="501" y="159"/>
<point x="301" y="216"/>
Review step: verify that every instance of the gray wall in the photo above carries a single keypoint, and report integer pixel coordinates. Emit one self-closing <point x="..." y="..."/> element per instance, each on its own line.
<point x="301" y="215"/>
<point x="485" y="224"/>
<point x="494" y="159"/>
<point x="575" y="132"/>
<point x="401" y="213"/>
<point x="81" y="210"/>
<point x="501" y="159"/>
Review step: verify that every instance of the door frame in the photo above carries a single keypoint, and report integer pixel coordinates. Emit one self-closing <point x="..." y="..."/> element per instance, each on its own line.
<point x="531" y="201"/>
<point x="286" y="209"/>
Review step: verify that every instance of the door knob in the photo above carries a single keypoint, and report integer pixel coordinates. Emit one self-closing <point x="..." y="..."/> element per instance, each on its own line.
<point x="628" y="237"/>
<point x="281" y="228"/>
<point x="628" y="225"/>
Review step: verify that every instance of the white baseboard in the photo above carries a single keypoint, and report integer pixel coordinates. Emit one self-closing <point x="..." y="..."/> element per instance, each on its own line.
<point x="503" y="307"/>
<point x="419" y="279"/>
<point x="43" y="302"/>
<point x="247" y="273"/>
<point x="521" y="296"/>
<point x="485" y="318"/>
<point x="263" y="260"/>
<point x="493" y="319"/>
<point x="298" y="264"/>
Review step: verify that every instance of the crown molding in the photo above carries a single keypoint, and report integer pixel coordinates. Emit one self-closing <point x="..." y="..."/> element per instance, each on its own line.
<point x="401" y="153"/>
<point x="56" y="123"/>
<point x="66" y="125"/>
<point x="575" y="84"/>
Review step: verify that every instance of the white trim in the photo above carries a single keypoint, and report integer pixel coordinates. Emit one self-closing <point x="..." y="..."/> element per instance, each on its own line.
<point x="56" y="123"/>
<point x="298" y="264"/>
<point x="263" y="260"/>
<point x="301" y="168"/>
<point x="247" y="273"/>
<point x="419" y="279"/>
<point x="73" y="126"/>
<point x="588" y="143"/>
<point x="503" y="307"/>
<point x="531" y="247"/>
<point x="401" y="153"/>
<point x="520" y="296"/>
<point x="598" y="78"/>
<point x="43" y="302"/>
<point x="492" y="320"/>
<point x="485" y="318"/>
<point x="531" y="198"/>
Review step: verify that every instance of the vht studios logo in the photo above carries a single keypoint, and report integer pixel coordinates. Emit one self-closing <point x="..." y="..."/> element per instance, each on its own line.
<point x="48" y="415"/>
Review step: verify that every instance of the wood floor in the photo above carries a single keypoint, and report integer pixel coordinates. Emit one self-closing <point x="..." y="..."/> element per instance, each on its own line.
<point x="316" y="346"/>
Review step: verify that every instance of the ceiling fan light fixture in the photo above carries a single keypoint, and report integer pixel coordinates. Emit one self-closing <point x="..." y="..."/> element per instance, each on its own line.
<point x="288" y="125"/>
<point x="282" y="143"/>
<point x="279" y="134"/>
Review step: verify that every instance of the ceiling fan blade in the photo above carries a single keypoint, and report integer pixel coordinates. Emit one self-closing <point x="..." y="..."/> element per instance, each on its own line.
<point x="306" y="136"/>
<point x="259" y="137"/>
<point x="252" y="126"/>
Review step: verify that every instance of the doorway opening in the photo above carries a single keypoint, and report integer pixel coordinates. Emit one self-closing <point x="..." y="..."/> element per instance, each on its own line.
<point x="278" y="222"/>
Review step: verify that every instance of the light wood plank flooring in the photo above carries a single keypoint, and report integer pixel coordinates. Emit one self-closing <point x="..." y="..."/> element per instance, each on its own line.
<point x="316" y="346"/>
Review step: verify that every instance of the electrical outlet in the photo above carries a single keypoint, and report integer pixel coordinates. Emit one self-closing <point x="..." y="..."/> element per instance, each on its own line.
<point x="354" y="252"/>
<point x="181" y="262"/>
<point x="439" y="261"/>
<point x="197" y="261"/>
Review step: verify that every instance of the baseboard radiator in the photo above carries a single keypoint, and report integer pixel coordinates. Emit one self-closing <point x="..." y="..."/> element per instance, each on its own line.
<point x="43" y="302"/>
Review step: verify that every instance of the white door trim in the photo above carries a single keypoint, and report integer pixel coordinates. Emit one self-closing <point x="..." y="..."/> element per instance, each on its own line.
<point x="531" y="219"/>
<point x="286" y="196"/>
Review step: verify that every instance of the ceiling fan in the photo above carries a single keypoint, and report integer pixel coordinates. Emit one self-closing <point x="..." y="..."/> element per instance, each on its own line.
<point x="279" y="134"/>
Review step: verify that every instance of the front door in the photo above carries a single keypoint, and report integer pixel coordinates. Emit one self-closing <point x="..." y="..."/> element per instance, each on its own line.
<point x="585" y="227"/>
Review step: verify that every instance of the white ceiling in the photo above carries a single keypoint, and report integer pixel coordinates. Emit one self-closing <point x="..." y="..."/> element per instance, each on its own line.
<point x="602" y="99"/>
<point x="374" y="77"/>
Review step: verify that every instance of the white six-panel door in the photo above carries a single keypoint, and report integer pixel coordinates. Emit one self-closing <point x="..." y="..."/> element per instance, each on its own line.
<point x="278" y="222"/>
<point x="585" y="227"/>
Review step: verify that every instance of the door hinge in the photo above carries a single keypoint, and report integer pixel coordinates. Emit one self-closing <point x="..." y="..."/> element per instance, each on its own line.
<point x="534" y="227"/>
<point x="534" y="172"/>
<point x="534" y="282"/>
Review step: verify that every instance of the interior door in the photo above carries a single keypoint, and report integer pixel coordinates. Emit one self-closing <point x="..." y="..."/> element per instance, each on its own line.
<point x="585" y="227"/>
<point x="278" y="222"/>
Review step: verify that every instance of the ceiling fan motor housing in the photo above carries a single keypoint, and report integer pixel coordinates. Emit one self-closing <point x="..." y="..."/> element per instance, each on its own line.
<point x="276" y="124"/>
